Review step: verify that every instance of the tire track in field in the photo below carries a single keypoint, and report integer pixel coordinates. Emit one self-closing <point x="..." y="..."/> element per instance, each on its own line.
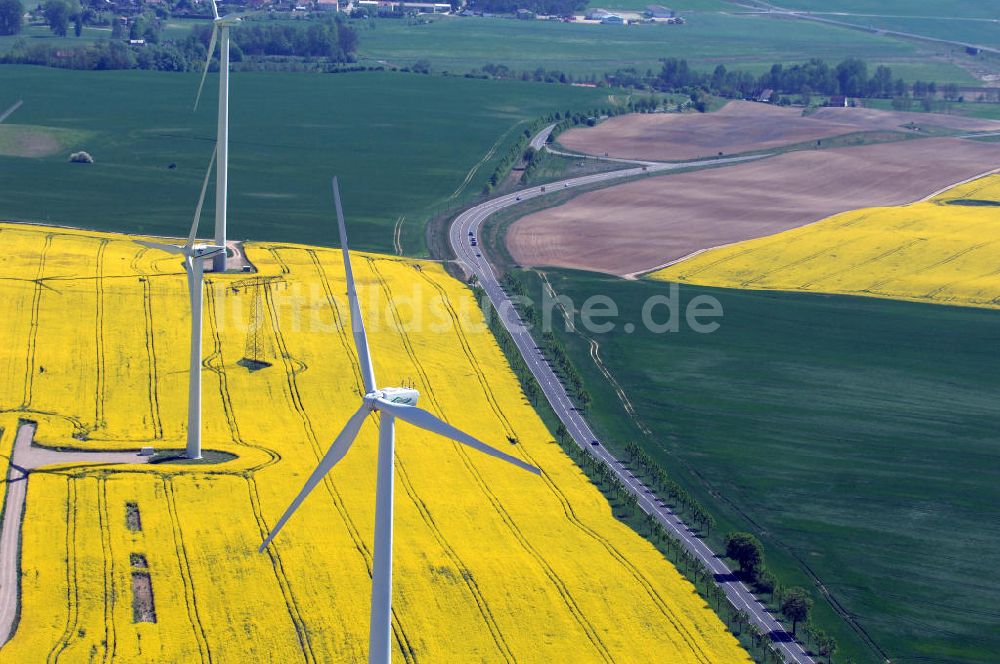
<point x="471" y="584"/>
<point x="277" y="258"/>
<point x="184" y="567"/>
<point x="134" y="263"/>
<point x="29" y="367"/>
<point x="103" y="520"/>
<point x="154" y="390"/>
<point x="874" y="286"/>
<point x="795" y="263"/>
<point x="944" y="261"/>
<point x="557" y="582"/>
<point x="397" y="235"/>
<point x="99" y="334"/>
<point x="219" y="368"/>
<point x="291" y="372"/>
<point x="567" y="506"/>
<point x="339" y="321"/>
<point x="291" y="604"/>
<point x="72" y="589"/>
<point x="595" y="356"/>
<point x="277" y="566"/>
<point x="868" y="261"/>
<point x="486" y="157"/>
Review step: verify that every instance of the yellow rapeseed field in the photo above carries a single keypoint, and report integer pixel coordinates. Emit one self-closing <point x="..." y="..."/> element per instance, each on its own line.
<point x="939" y="250"/>
<point x="491" y="564"/>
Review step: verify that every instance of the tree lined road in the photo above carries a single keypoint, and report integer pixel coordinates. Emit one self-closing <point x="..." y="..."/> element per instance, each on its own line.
<point x="474" y="263"/>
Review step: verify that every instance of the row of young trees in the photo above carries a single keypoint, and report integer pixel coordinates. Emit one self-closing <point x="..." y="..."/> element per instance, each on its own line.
<point x="849" y="77"/>
<point x="550" y="346"/>
<point x="683" y="502"/>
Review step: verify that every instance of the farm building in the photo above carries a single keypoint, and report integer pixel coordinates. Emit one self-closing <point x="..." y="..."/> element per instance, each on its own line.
<point x="596" y="14"/>
<point x="614" y="19"/>
<point x="398" y="7"/>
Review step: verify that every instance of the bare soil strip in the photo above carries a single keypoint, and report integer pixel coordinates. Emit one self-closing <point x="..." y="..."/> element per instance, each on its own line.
<point x="742" y="126"/>
<point x="639" y="226"/>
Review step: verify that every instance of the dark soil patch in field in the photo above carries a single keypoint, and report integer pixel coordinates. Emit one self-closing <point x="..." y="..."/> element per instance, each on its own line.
<point x="143" y="606"/>
<point x="132" y="518"/>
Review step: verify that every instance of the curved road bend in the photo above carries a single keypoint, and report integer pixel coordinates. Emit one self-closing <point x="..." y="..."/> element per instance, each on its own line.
<point x="23" y="459"/>
<point x="473" y="262"/>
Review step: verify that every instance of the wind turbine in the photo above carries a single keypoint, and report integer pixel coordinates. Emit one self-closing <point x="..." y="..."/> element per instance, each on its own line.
<point x="392" y="403"/>
<point x="194" y="264"/>
<point x="220" y="26"/>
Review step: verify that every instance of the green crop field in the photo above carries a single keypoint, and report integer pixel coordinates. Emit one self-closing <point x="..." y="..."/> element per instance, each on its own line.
<point x="942" y="8"/>
<point x="972" y="21"/>
<point x="402" y="143"/>
<point x="981" y="32"/>
<point x="35" y="33"/>
<point x="458" y="44"/>
<point x="970" y="109"/>
<point x="858" y="435"/>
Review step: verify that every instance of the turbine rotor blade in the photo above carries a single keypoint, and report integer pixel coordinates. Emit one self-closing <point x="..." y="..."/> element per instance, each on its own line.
<point x="357" y="324"/>
<point x="208" y="58"/>
<point x="425" y="420"/>
<point x="215" y="10"/>
<point x="169" y="248"/>
<point x="201" y="200"/>
<point x="337" y="450"/>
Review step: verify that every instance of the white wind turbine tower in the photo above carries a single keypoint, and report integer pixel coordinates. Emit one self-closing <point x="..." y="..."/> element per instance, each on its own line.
<point x="220" y="26"/>
<point x="194" y="264"/>
<point x="392" y="403"/>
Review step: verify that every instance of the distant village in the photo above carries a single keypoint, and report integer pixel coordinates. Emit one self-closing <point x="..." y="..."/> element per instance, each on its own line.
<point x="388" y="8"/>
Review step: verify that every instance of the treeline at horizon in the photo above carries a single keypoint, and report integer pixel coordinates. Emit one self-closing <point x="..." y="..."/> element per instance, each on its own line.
<point x="327" y="38"/>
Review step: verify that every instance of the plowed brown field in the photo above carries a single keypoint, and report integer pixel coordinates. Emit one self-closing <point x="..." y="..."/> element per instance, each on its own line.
<point x="742" y="126"/>
<point x="641" y="225"/>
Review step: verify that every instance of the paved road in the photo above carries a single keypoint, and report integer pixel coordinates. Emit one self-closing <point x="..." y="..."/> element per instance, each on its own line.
<point x="23" y="459"/>
<point x="474" y="263"/>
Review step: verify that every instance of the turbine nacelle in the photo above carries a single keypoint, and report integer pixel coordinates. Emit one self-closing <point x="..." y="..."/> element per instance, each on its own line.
<point x="205" y="250"/>
<point x="227" y="21"/>
<point x="404" y="396"/>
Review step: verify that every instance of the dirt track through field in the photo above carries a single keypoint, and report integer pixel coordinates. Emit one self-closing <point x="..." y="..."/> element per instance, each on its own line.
<point x="642" y="225"/>
<point x="742" y="126"/>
